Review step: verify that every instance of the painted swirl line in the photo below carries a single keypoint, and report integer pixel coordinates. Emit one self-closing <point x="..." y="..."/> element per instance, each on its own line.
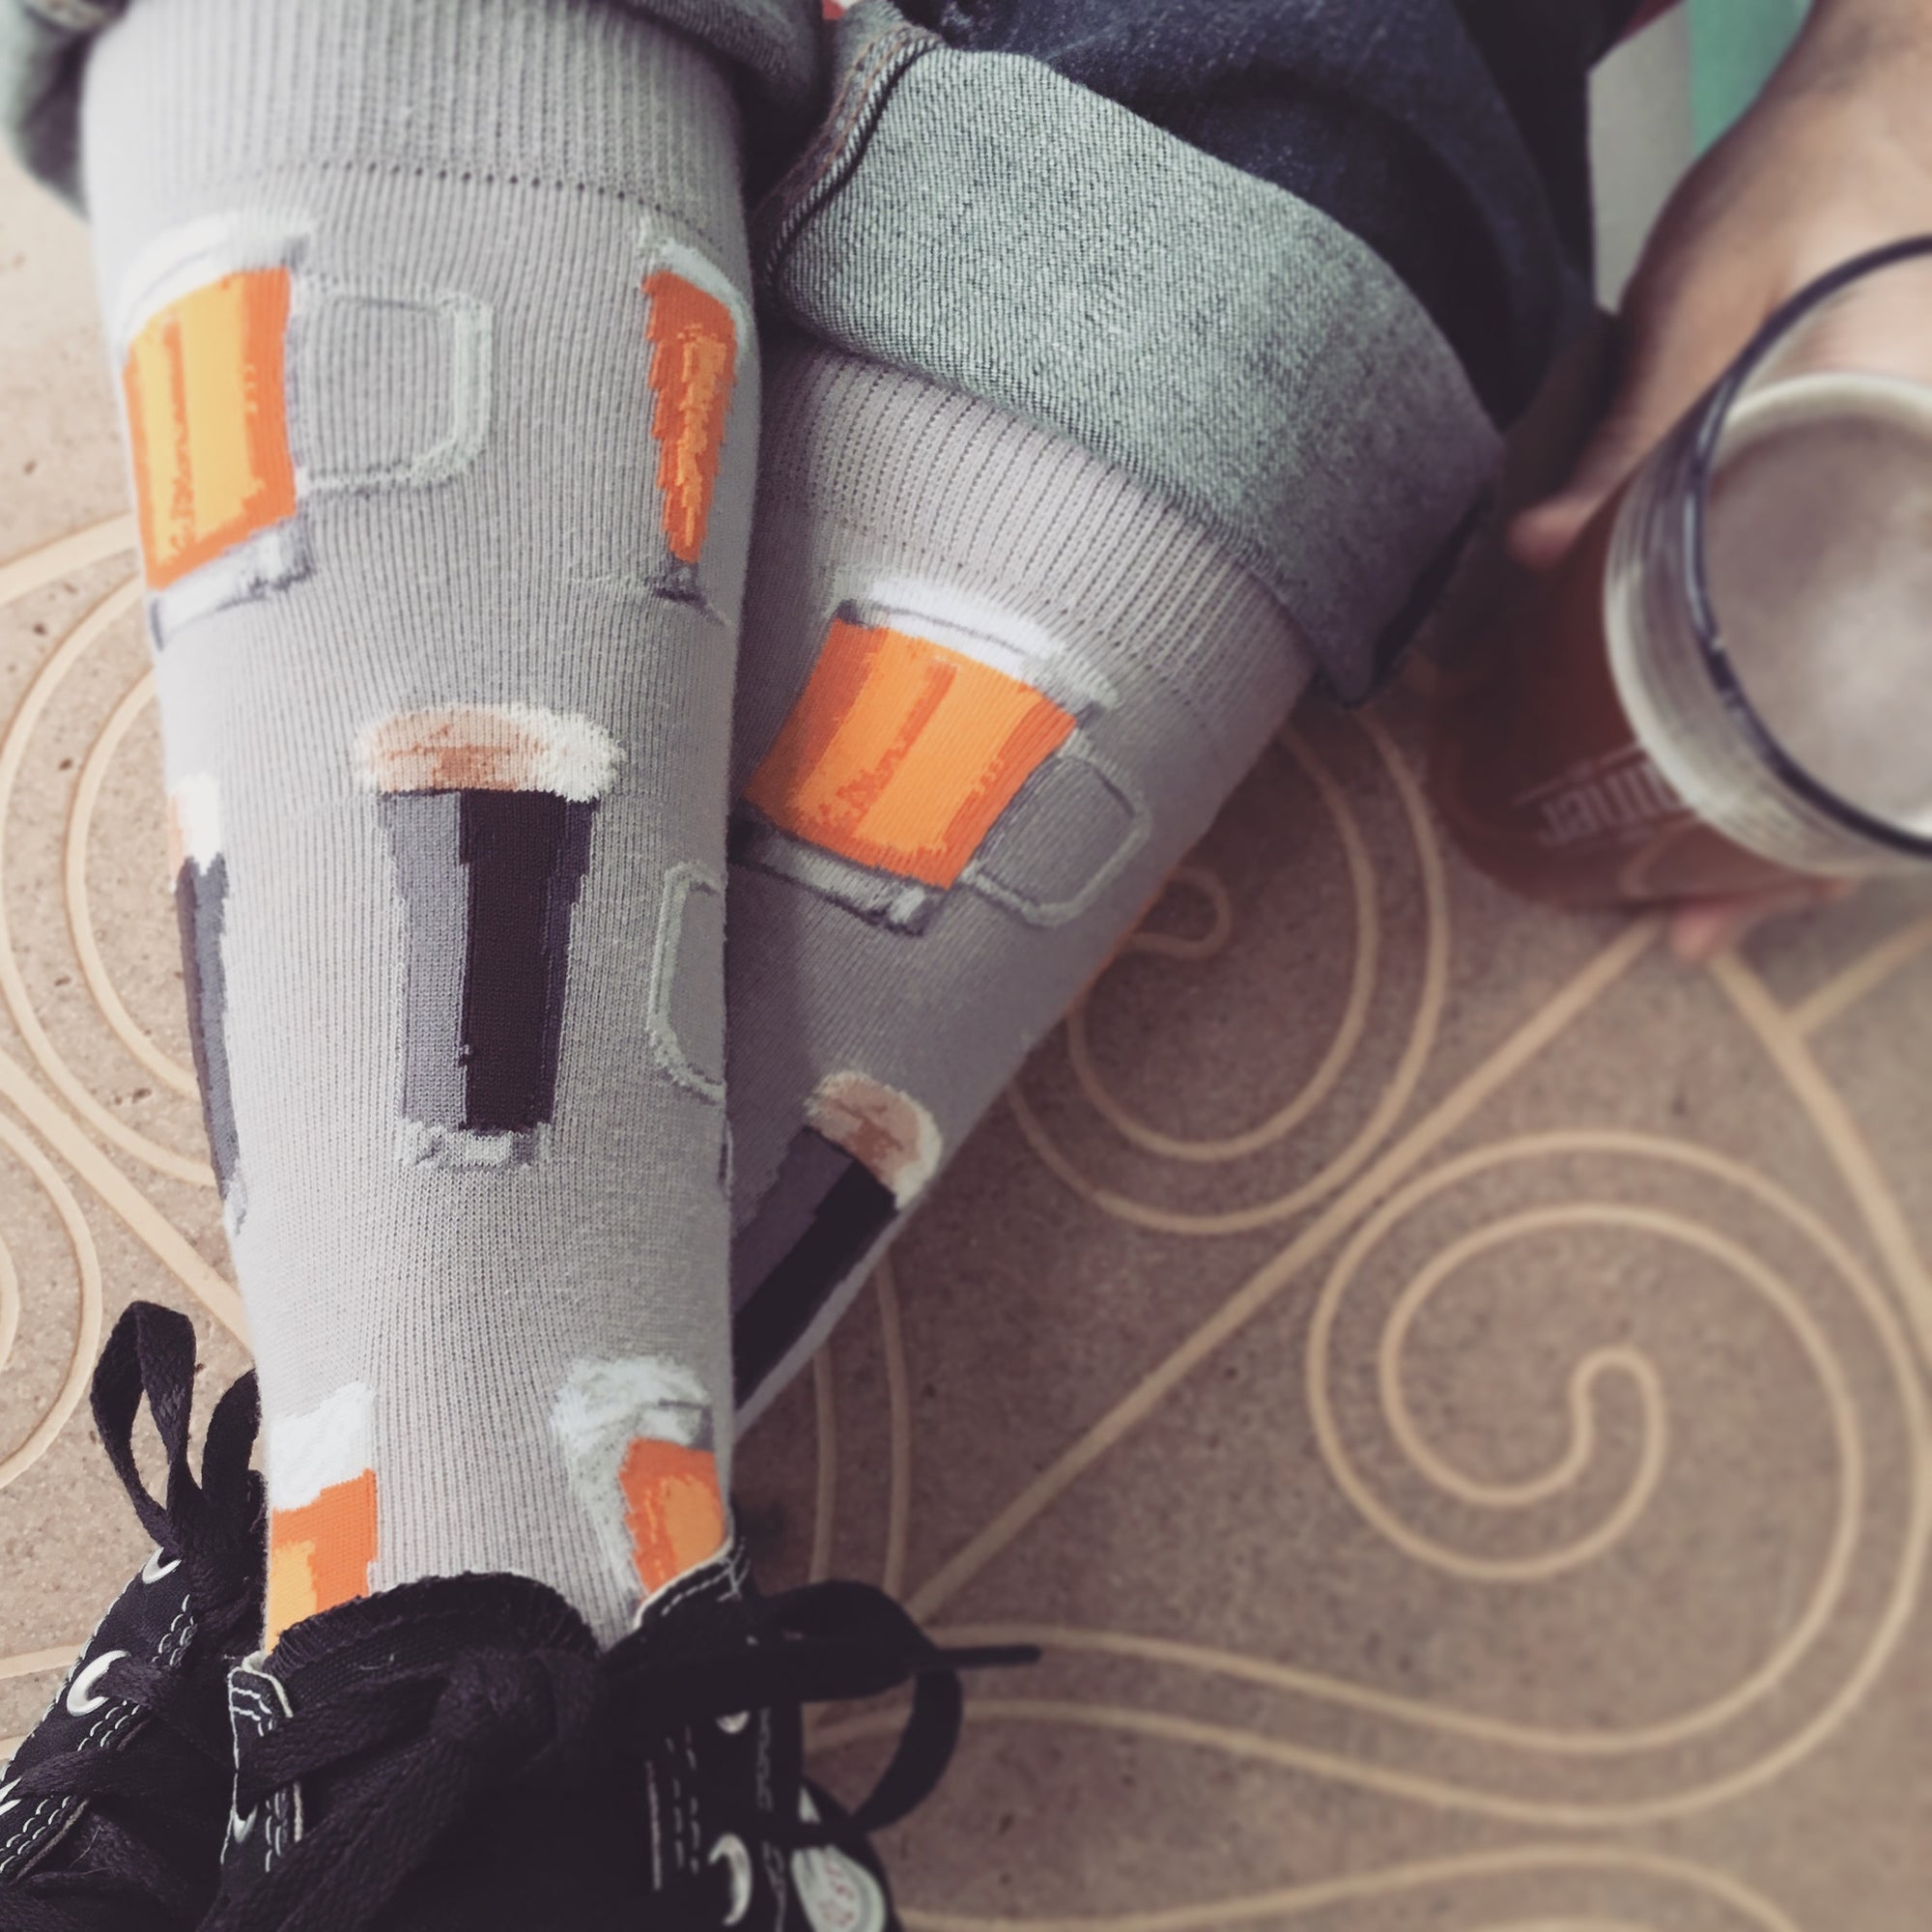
<point x="169" y="1245"/>
<point x="1770" y="1676"/>
<point x="1261" y="1288"/>
<point x="1862" y="977"/>
<point x="165" y="1066"/>
<point x="1832" y="1121"/>
<point x="1388" y="1109"/>
<point x="1341" y="1047"/>
<point x="13" y="985"/>
<point x="1752" y="1909"/>
<point x="87" y="1319"/>
<point x="36" y="569"/>
<point x="899" y="1409"/>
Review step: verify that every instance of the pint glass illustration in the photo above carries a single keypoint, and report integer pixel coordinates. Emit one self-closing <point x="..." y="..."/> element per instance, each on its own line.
<point x="926" y="728"/>
<point x="694" y="324"/>
<point x="200" y="871"/>
<point x="862" y="1157"/>
<point x="488" y="809"/>
<point x="205" y="394"/>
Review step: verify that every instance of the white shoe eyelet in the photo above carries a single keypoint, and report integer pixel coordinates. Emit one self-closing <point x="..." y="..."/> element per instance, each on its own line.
<point x="81" y="1696"/>
<point x="731" y="1849"/>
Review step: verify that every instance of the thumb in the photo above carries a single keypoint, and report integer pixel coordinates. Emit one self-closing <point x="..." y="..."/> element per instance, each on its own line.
<point x="1670" y="354"/>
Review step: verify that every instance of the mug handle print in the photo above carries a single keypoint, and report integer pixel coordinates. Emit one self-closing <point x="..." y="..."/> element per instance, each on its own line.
<point x="1137" y="828"/>
<point x="463" y="327"/>
<point x="224" y="277"/>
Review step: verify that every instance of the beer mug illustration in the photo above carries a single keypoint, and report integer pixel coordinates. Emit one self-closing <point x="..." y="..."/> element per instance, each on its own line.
<point x="695" y="326"/>
<point x="923" y="754"/>
<point x="209" y="324"/>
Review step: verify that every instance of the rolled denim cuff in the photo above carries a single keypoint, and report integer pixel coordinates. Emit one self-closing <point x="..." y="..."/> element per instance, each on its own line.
<point x="976" y="219"/>
<point x="776" y="43"/>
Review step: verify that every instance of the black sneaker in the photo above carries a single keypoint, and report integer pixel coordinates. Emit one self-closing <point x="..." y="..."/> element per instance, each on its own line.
<point x="111" y="1812"/>
<point x="455" y="1753"/>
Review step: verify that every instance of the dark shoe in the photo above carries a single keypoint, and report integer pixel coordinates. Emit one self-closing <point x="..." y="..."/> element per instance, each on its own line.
<point x="111" y="1812"/>
<point x="455" y="1753"/>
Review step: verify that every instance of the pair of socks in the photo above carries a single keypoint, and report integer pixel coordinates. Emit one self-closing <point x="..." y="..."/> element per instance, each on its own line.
<point x="434" y="328"/>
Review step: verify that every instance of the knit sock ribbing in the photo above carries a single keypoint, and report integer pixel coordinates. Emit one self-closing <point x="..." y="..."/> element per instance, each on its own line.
<point x="432" y="326"/>
<point x="991" y="691"/>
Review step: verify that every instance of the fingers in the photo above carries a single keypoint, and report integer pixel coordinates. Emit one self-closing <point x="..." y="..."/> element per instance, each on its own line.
<point x="1692" y="306"/>
<point x="1702" y="928"/>
<point x="1673" y="345"/>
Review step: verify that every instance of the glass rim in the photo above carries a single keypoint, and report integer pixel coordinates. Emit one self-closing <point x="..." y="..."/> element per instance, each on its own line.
<point x="1713" y="415"/>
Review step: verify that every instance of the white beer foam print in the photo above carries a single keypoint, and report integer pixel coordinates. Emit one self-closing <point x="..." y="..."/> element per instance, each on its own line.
<point x="488" y="748"/>
<point x="184" y="259"/>
<point x="326" y="1445"/>
<point x="887" y="1132"/>
<point x="195" y="822"/>
<point x="602" y="1409"/>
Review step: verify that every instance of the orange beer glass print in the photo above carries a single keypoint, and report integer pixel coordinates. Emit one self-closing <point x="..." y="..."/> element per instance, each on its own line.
<point x="641" y="1451"/>
<point x="698" y="333"/>
<point x="205" y="392"/>
<point x="672" y="1509"/>
<point x="913" y="739"/>
<point x="321" y="1516"/>
<point x="693" y="365"/>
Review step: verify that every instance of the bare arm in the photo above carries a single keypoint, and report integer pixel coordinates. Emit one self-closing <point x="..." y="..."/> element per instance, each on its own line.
<point x="1833" y="157"/>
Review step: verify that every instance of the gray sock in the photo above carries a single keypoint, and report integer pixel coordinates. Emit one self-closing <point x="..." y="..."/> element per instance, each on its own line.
<point x="434" y="331"/>
<point x="990" y="692"/>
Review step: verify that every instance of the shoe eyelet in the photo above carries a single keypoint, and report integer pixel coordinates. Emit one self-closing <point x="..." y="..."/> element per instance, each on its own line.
<point x="82" y="1698"/>
<point x="738" y="1861"/>
<point x="734" y="1722"/>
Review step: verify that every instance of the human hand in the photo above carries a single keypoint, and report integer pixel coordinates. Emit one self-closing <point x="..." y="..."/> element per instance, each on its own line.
<point x="1833" y="160"/>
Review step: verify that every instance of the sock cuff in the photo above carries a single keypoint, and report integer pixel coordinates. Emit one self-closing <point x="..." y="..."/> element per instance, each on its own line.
<point x="976" y="219"/>
<point x="1011" y="491"/>
<point x="1053" y="536"/>
<point x="569" y="94"/>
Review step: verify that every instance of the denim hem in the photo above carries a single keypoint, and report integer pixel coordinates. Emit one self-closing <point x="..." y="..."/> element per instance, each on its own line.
<point x="874" y="47"/>
<point x="980" y="221"/>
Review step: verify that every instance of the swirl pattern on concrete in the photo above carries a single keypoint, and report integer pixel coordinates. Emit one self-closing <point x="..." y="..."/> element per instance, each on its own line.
<point x="1459" y="1435"/>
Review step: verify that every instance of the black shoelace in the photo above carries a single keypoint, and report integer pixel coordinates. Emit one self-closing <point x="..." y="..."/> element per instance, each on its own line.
<point x="436" y="1738"/>
<point x="158" y="1798"/>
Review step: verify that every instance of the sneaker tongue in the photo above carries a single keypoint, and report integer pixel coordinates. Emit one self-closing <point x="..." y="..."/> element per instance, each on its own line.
<point x="149" y="1622"/>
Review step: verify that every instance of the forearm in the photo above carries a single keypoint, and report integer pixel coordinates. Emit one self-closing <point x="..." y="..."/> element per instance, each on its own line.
<point x="1910" y="18"/>
<point x="1845" y="43"/>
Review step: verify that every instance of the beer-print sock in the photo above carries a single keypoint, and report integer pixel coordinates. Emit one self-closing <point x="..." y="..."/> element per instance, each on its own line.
<point x="433" y="328"/>
<point x="990" y="692"/>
